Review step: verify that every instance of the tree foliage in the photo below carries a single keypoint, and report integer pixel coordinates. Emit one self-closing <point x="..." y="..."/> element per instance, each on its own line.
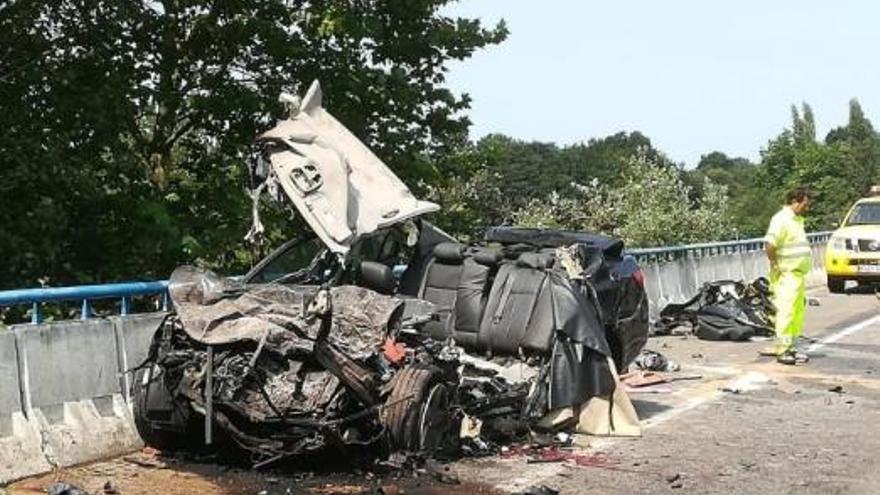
<point x="125" y="125"/>
<point x="125" y="122"/>
<point x="650" y="206"/>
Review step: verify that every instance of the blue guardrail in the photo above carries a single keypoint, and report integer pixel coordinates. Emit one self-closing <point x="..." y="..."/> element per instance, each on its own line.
<point x="126" y="290"/>
<point x="85" y="293"/>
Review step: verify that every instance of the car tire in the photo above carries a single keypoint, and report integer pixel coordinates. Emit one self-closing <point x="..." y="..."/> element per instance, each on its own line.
<point x="417" y="416"/>
<point x="836" y="285"/>
<point x="144" y="387"/>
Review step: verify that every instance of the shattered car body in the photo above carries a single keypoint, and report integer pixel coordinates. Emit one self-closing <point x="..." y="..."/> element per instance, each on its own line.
<point x="722" y="310"/>
<point x="381" y="331"/>
<point x="281" y="370"/>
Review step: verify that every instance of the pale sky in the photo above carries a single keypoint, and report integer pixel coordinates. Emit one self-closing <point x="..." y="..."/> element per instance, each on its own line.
<point x="693" y="75"/>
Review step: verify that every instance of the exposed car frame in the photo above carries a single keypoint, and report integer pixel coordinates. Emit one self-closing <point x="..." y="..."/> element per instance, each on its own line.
<point x="404" y="325"/>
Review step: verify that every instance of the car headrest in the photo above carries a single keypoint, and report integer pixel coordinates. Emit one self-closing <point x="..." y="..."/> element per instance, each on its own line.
<point x="449" y="252"/>
<point x="378" y="277"/>
<point x="488" y="257"/>
<point x="538" y="261"/>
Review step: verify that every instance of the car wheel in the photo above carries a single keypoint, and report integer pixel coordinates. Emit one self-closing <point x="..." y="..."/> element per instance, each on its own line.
<point x="417" y="416"/>
<point x="836" y="285"/>
<point x="147" y="392"/>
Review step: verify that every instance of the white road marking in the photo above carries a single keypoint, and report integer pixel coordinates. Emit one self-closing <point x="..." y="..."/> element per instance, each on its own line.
<point x="743" y="382"/>
<point x="752" y="380"/>
<point x="834" y="337"/>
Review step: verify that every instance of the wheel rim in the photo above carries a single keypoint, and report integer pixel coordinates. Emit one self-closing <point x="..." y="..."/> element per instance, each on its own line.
<point x="434" y="418"/>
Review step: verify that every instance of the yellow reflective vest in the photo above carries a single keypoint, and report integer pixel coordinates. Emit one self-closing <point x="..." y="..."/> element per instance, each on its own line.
<point x="786" y="233"/>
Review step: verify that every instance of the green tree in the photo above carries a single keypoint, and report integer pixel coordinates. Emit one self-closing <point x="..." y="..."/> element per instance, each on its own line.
<point x="126" y="123"/>
<point x="838" y="171"/>
<point x="651" y="206"/>
<point x="859" y="145"/>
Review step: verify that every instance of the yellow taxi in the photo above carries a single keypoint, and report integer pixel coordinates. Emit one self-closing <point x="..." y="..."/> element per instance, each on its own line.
<point x="853" y="252"/>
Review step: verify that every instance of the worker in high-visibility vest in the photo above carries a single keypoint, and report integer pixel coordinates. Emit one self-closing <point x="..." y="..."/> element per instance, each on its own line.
<point x="790" y="259"/>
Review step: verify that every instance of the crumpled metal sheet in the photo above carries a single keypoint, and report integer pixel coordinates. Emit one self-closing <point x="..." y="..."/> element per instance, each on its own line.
<point x="250" y="315"/>
<point x="297" y="372"/>
<point x="338" y="185"/>
<point x="367" y="319"/>
<point x="361" y="318"/>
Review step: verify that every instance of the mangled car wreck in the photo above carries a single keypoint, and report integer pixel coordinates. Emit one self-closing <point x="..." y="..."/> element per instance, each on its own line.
<point x="377" y="331"/>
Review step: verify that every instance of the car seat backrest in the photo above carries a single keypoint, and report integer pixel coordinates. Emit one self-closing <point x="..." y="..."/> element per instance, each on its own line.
<point x="478" y="266"/>
<point x="519" y="314"/>
<point x="440" y="284"/>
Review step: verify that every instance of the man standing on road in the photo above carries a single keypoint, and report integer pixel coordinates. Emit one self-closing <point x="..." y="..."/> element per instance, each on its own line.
<point x="790" y="259"/>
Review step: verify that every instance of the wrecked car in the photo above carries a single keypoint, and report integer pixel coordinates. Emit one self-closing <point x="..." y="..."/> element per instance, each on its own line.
<point x="375" y="330"/>
<point x="722" y="310"/>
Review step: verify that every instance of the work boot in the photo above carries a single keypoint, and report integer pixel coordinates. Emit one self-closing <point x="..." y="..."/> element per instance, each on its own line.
<point x="787" y="358"/>
<point x="792" y="357"/>
<point x="801" y="357"/>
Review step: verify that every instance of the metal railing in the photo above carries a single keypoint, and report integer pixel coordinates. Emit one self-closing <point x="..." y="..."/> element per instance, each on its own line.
<point x="125" y="291"/>
<point x="669" y="253"/>
<point x="86" y="294"/>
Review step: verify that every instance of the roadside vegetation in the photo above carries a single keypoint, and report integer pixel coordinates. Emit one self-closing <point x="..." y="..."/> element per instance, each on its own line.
<point x="126" y="124"/>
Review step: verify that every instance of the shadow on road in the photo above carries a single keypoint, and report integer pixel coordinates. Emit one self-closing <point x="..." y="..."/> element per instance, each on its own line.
<point x="648" y="408"/>
<point x="864" y="289"/>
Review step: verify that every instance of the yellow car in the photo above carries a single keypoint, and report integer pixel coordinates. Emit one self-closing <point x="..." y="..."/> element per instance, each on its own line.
<point x="853" y="253"/>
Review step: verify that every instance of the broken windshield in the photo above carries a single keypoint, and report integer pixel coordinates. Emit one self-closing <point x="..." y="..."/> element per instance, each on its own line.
<point x="299" y="260"/>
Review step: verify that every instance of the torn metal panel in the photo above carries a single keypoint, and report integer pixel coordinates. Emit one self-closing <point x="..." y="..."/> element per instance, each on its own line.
<point x="337" y="184"/>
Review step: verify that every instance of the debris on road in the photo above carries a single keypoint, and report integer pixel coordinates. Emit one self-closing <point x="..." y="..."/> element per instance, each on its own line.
<point x="540" y="454"/>
<point x="675" y="480"/>
<point x="540" y="490"/>
<point x="441" y="473"/>
<point x="838" y="389"/>
<point x="648" y="360"/>
<point x="722" y="310"/>
<point x="637" y="379"/>
<point x="146" y="458"/>
<point x="646" y="381"/>
<point x="65" y="489"/>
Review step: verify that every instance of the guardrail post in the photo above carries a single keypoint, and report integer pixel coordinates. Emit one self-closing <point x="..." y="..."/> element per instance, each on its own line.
<point x="125" y="306"/>
<point x="86" y="310"/>
<point x="36" y="313"/>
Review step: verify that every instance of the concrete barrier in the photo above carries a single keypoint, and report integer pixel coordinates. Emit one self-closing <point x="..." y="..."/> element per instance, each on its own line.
<point x="679" y="280"/>
<point x="70" y="378"/>
<point x="133" y="337"/>
<point x="21" y="451"/>
<point x="63" y="393"/>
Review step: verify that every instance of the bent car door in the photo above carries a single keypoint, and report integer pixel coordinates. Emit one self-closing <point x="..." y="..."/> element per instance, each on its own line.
<point x="336" y="183"/>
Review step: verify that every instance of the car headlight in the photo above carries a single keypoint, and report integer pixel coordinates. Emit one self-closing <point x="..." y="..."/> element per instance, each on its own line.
<point x="841" y="244"/>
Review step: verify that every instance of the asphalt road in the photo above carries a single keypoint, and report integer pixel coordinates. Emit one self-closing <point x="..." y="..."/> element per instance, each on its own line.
<point x="748" y="425"/>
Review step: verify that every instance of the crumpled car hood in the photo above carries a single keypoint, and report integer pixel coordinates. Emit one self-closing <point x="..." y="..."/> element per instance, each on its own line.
<point x="215" y="312"/>
<point x="337" y="184"/>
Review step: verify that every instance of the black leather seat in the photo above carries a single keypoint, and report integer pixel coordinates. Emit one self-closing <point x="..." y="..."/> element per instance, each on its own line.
<point x="473" y="288"/>
<point x="440" y="285"/>
<point x="519" y="313"/>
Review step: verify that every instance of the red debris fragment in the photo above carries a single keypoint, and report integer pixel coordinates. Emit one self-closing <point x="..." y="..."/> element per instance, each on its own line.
<point x="394" y="351"/>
